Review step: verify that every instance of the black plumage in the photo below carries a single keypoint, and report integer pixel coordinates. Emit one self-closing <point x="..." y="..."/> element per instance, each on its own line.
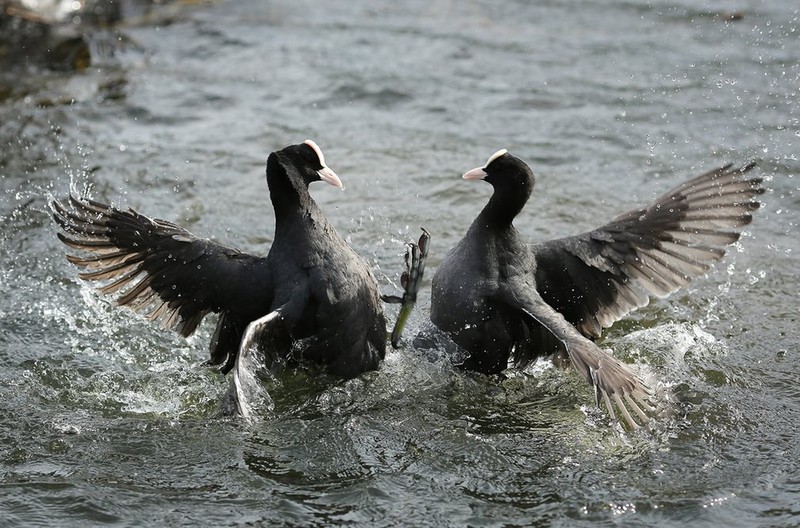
<point x="501" y="299"/>
<point x="317" y="299"/>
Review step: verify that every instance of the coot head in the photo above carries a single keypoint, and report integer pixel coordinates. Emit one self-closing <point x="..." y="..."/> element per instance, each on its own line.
<point x="512" y="180"/>
<point x="308" y="161"/>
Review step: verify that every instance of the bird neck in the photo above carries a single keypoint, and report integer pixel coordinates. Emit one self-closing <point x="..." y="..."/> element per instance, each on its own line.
<point x="504" y="205"/>
<point x="288" y="192"/>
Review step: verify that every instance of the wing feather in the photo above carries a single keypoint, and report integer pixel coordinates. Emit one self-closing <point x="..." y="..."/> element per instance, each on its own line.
<point x="596" y="278"/>
<point x="160" y="269"/>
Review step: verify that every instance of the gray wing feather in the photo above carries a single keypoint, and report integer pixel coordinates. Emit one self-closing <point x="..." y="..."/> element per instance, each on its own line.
<point x="158" y="268"/>
<point x="596" y="278"/>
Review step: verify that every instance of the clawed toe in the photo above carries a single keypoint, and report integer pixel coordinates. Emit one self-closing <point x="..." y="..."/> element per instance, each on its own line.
<point x="411" y="280"/>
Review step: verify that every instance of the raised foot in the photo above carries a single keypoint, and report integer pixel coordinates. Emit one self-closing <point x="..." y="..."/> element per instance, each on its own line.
<point x="411" y="280"/>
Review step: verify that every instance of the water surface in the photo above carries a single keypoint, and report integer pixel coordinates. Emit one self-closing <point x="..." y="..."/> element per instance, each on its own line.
<point x="106" y="419"/>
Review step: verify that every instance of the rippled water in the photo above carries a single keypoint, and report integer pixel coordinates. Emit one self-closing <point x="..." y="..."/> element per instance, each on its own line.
<point x="106" y="419"/>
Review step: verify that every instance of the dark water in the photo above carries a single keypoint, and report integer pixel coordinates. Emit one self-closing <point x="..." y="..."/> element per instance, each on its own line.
<point x="105" y="419"/>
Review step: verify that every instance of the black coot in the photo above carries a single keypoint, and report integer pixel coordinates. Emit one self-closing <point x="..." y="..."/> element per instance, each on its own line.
<point x="312" y="294"/>
<point x="500" y="299"/>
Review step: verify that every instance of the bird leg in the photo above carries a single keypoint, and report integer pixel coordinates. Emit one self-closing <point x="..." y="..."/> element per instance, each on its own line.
<point x="411" y="280"/>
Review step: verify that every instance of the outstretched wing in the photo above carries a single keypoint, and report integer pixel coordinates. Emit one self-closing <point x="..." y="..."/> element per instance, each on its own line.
<point x="160" y="269"/>
<point x="613" y="381"/>
<point x="596" y="278"/>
